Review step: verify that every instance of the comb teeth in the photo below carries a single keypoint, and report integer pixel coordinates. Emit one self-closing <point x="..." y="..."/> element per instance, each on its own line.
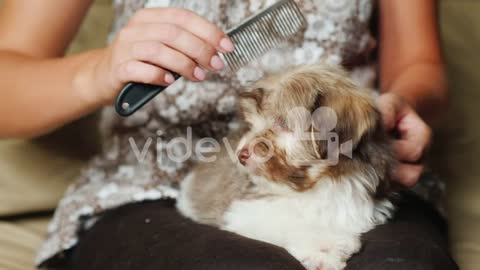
<point x="262" y="32"/>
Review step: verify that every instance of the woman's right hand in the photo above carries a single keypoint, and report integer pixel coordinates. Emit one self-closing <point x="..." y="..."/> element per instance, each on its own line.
<point x="154" y="42"/>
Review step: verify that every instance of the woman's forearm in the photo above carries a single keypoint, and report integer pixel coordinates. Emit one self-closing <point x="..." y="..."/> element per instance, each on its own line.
<point x="40" y="95"/>
<point x="424" y="86"/>
<point x="410" y="57"/>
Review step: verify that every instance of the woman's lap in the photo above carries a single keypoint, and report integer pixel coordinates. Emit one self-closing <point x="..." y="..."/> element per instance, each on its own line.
<point x="153" y="235"/>
<point x="415" y="239"/>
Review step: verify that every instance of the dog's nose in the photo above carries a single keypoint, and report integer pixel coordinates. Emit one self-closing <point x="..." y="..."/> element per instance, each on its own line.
<point x="243" y="155"/>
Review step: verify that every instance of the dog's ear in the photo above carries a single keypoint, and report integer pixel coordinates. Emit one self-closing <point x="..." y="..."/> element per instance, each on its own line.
<point x="251" y="102"/>
<point x="357" y="116"/>
<point x="350" y="114"/>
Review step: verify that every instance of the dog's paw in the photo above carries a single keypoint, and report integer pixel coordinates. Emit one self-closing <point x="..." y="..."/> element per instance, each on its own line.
<point x="313" y="263"/>
<point x="330" y="252"/>
<point x="323" y="261"/>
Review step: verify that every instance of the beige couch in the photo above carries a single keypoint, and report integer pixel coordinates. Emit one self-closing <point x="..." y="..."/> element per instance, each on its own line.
<point x="458" y="144"/>
<point x="34" y="174"/>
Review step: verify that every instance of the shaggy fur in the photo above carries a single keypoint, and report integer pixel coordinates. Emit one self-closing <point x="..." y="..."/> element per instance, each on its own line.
<point x="282" y="186"/>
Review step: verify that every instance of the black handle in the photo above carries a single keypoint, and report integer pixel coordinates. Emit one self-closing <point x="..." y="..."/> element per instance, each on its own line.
<point x="134" y="95"/>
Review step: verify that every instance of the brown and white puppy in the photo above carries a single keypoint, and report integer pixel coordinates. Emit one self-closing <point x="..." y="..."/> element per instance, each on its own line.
<point x="310" y="174"/>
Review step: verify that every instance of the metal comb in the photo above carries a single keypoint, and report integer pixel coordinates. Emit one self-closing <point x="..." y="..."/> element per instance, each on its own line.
<point x="252" y="38"/>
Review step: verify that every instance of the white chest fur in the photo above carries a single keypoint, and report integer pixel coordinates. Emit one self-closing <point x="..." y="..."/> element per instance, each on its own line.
<point x="320" y="227"/>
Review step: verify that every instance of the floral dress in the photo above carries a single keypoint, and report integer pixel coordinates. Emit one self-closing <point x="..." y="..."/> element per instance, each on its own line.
<point x="135" y="166"/>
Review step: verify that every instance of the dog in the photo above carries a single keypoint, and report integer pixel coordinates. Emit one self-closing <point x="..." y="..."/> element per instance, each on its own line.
<point x="290" y="183"/>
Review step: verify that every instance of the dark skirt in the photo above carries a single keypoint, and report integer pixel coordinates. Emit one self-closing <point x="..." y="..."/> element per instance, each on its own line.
<point x="153" y="235"/>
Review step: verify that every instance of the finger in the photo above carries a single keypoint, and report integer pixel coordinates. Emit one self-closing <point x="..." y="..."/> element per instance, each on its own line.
<point x="407" y="174"/>
<point x="136" y="71"/>
<point x="387" y="108"/>
<point x="181" y="40"/>
<point x="408" y="151"/>
<point x="414" y="129"/>
<point x="415" y="138"/>
<point x="163" y="56"/>
<point x="188" y="20"/>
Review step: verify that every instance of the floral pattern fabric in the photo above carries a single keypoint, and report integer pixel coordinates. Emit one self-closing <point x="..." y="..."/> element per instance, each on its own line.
<point x="135" y="165"/>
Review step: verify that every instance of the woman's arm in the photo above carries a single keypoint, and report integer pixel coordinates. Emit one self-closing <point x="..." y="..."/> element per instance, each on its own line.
<point x="36" y="87"/>
<point x="412" y="78"/>
<point x="41" y="90"/>
<point x="411" y="63"/>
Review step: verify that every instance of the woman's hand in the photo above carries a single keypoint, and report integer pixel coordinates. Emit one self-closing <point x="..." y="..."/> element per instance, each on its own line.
<point x="154" y="42"/>
<point x="414" y="137"/>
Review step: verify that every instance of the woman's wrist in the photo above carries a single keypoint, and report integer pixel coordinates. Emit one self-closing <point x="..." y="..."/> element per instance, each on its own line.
<point x="88" y="86"/>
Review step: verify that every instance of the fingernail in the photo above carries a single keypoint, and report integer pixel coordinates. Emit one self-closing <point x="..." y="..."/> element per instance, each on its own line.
<point x="217" y="62"/>
<point x="226" y="44"/>
<point x="169" y="78"/>
<point x="199" y="74"/>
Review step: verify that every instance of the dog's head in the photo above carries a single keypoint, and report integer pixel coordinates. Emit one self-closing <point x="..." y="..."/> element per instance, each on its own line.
<point x="300" y="122"/>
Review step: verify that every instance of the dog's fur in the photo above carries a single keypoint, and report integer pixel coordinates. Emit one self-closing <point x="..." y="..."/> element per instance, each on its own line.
<point x="316" y="210"/>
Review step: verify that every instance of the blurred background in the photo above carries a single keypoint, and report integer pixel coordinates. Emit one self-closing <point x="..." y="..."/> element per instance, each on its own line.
<point x="457" y="146"/>
<point x="42" y="180"/>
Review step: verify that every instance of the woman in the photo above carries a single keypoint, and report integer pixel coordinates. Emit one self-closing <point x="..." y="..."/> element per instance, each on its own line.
<point x="169" y="36"/>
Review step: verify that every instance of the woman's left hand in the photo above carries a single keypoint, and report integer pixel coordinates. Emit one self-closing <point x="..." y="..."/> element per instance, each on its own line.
<point x="413" y="137"/>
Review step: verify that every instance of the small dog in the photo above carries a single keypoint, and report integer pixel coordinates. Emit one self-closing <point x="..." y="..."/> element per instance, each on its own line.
<point x="289" y="183"/>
